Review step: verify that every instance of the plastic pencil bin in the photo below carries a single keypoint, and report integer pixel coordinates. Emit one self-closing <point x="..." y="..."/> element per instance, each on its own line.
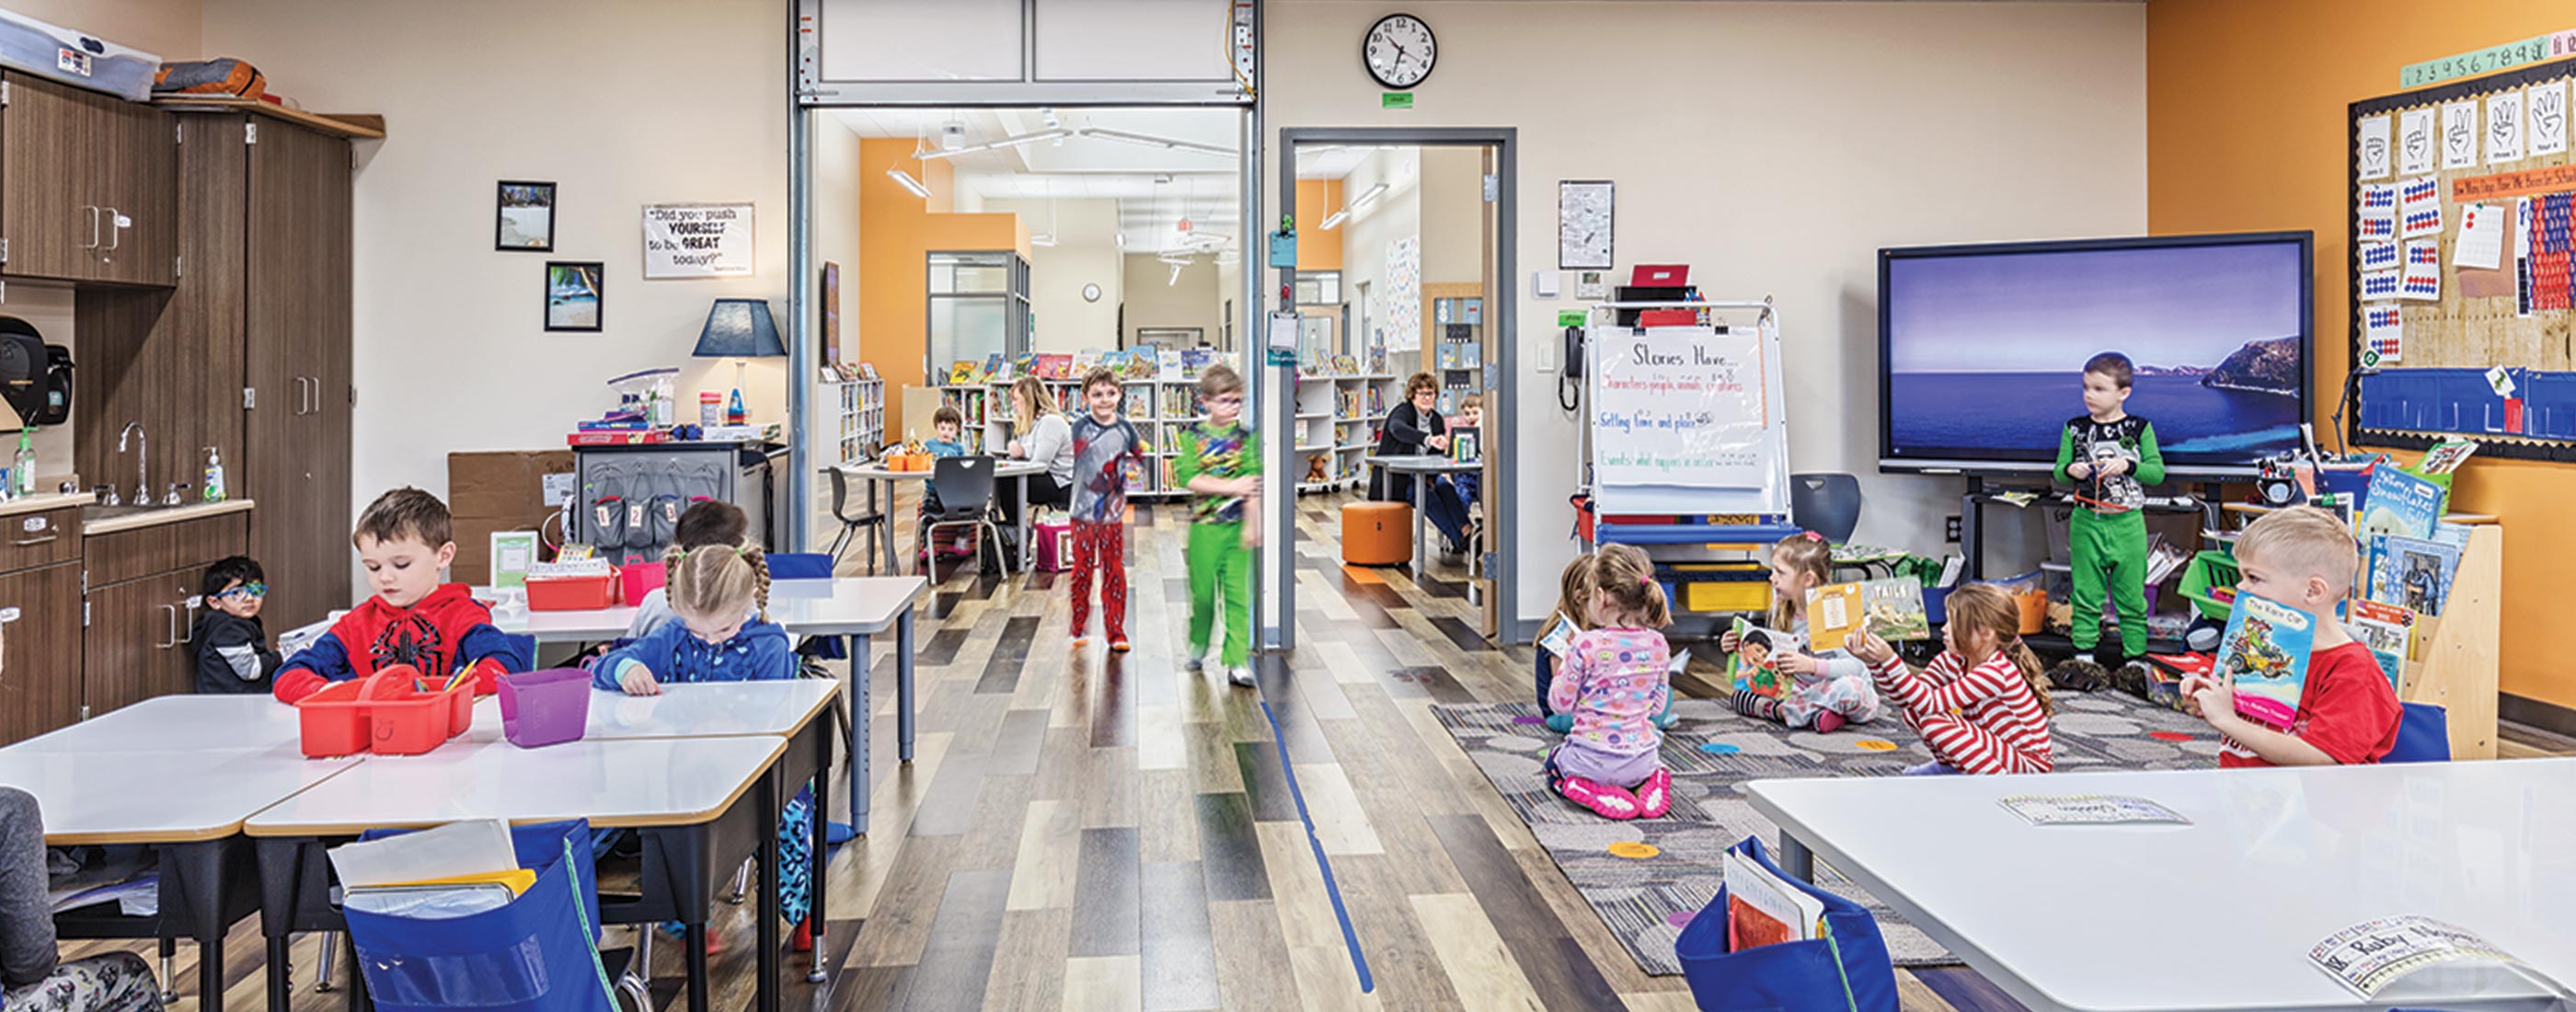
<point x="538" y="954"/>
<point x="571" y="593"/>
<point x="403" y="720"/>
<point x="1847" y="970"/>
<point x="638" y="579"/>
<point x="1936" y="605"/>
<point x="540" y="708"/>
<point x="333" y="721"/>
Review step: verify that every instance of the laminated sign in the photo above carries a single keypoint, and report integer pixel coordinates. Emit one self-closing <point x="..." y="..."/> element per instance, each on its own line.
<point x="697" y="240"/>
<point x="1678" y="409"/>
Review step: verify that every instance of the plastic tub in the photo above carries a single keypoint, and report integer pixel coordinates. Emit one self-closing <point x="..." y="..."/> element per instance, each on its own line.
<point x="333" y="721"/>
<point x="570" y="593"/>
<point x="638" y="579"/>
<point x="549" y="707"/>
<point x="2211" y="572"/>
<point x="405" y="720"/>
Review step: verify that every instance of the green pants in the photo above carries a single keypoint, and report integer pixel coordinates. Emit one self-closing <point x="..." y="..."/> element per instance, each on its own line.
<point x="2112" y="548"/>
<point x="1219" y="563"/>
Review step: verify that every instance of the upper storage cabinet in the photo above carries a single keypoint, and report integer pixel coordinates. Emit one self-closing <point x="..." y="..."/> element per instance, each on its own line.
<point x="88" y="185"/>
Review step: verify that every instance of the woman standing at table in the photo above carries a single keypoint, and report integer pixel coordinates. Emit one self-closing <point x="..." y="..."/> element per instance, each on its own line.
<point x="36" y="978"/>
<point x="1415" y="428"/>
<point x="1042" y="435"/>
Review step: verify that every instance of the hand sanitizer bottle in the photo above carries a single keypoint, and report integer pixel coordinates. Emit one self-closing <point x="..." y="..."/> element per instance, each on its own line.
<point x="214" y="483"/>
<point x="22" y="471"/>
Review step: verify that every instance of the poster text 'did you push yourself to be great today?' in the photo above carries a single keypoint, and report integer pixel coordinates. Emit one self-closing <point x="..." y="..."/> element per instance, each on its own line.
<point x="1681" y="411"/>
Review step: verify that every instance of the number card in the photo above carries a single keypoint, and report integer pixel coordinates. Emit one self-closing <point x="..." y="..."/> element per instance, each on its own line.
<point x="2383" y="335"/>
<point x="2379" y="213"/>
<point x="2378" y="256"/>
<point x="2504" y="127"/>
<point x="2372" y="149"/>
<point x="2423" y="278"/>
<point x="2415" y="141"/>
<point x="2420" y="205"/>
<point x="2380" y="284"/>
<point x="2545" y="117"/>
<point x="2460" y="135"/>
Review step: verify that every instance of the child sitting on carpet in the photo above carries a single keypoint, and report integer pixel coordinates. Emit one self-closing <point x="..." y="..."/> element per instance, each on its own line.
<point x="1982" y="707"/>
<point x="1825" y="690"/>
<point x="1613" y="682"/>
<point x="1556" y="635"/>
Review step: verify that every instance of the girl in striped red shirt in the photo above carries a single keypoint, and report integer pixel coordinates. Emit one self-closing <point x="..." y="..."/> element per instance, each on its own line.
<point x="1982" y="707"/>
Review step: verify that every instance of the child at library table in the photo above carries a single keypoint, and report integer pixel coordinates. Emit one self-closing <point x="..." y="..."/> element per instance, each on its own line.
<point x="405" y="540"/>
<point x="710" y="522"/>
<point x="30" y="965"/>
<point x="233" y="655"/>
<point x="1220" y="463"/>
<point x="2348" y="712"/>
<point x="1614" y="680"/>
<point x="945" y="424"/>
<point x="1106" y="448"/>
<point x="1983" y="706"/>
<point x="1826" y="690"/>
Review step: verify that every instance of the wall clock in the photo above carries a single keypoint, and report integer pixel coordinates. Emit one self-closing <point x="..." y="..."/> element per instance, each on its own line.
<point x="1399" y="51"/>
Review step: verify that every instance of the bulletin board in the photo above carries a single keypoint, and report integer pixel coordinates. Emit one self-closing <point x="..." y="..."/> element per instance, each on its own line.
<point x="2464" y="198"/>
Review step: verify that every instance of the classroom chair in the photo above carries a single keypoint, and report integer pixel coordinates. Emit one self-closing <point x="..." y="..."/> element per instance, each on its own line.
<point x="965" y="488"/>
<point x="2423" y="735"/>
<point x="852" y="525"/>
<point x="1825" y="502"/>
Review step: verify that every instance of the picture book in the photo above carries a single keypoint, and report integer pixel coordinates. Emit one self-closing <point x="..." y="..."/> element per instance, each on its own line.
<point x="2388" y="630"/>
<point x="1082" y="362"/>
<point x="2445" y="457"/>
<point x="1892" y="608"/>
<point x="962" y="374"/>
<point x="1054" y="366"/>
<point x="1195" y="361"/>
<point x="1346" y="365"/>
<point x="2454" y="535"/>
<point x="2400" y="503"/>
<point x="1763" y="908"/>
<point x="2265" y="652"/>
<point x="1144" y="361"/>
<point x="2412" y="573"/>
<point x="1559" y="638"/>
<point x="996" y="368"/>
<point x="1752" y="666"/>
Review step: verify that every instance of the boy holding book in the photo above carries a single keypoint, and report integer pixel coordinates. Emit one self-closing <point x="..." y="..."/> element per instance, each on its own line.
<point x="2348" y="713"/>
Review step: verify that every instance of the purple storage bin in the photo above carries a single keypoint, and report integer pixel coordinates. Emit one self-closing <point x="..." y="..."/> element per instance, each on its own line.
<point x="547" y="707"/>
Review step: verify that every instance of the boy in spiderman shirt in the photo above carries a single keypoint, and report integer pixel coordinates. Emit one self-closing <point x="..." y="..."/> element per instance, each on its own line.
<point x="406" y="542"/>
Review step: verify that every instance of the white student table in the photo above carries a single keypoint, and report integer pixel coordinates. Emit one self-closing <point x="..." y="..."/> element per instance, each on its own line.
<point x="2219" y="914"/>
<point x="679" y="787"/>
<point x="1003" y="467"/>
<point x="167" y="773"/>
<point x="855" y="607"/>
<point x="703" y="710"/>
<point x="1422" y="467"/>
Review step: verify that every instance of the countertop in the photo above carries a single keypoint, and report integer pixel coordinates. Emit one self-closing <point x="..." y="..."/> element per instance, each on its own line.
<point x="157" y="517"/>
<point x="41" y="503"/>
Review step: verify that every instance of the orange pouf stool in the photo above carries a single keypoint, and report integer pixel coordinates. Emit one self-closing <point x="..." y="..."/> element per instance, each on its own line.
<point x="1377" y="533"/>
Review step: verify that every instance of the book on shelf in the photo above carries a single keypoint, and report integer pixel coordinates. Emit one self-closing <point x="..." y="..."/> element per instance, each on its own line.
<point x="2388" y="630"/>
<point x="2413" y="573"/>
<point x="1753" y="665"/>
<point x="1891" y="608"/>
<point x="1144" y="362"/>
<point x="1346" y="365"/>
<point x="2445" y="457"/>
<point x="1464" y="445"/>
<point x="1082" y="362"/>
<point x="2400" y="503"/>
<point x="1194" y="361"/>
<point x="1765" y="909"/>
<point x="1052" y="366"/>
<point x="2264" y="652"/>
<point x="963" y="373"/>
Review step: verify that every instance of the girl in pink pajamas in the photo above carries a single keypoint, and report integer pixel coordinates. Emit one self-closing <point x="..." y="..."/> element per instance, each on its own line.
<point x="1982" y="707"/>
<point x="1614" y="680"/>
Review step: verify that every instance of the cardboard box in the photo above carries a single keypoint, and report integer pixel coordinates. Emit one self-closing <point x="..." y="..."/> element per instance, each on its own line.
<point x="498" y="491"/>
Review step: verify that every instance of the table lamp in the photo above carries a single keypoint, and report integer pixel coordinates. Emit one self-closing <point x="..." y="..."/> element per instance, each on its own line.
<point x="739" y="329"/>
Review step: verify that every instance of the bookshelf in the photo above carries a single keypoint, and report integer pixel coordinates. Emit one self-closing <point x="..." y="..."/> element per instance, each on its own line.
<point x="1339" y="416"/>
<point x="1453" y="344"/>
<point x="1145" y="405"/>
<point x="858" y="417"/>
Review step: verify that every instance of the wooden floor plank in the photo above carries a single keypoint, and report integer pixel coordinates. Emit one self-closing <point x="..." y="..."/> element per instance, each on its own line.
<point x="964" y="936"/>
<point x="1480" y="967"/>
<point x="1179" y="968"/>
<point x="1105" y="893"/>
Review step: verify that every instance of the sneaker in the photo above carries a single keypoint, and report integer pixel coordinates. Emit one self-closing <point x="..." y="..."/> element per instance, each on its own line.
<point x="1561" y="723"/>
<point x="1241" y="676"/>
<point x="2133" y="678"/>
<point x="1118" y="644"/>
<point x="1081" y="641"/>
<point x="1194" y="665"/>
<point x="1935" y="768"/>
<point x="1655" y="796"/>
<point x="2078" y="675"/>
<point x="1604" y="800"/>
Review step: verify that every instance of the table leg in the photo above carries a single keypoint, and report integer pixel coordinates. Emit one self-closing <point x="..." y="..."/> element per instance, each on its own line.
<point x="210" y="969"/>
<point x="1418" y="547"/>
<point x="280" y="987"/>
<point x="694" y="936"/>
<point x="1796" y="859"/>
<point x="903" y="685"/>
<point x="859" y="711"/>
<point x="885" y="530"/>
<point x="1028" y="554"/>
<point x="814" y="917"/>
<point x="772" y="890"/>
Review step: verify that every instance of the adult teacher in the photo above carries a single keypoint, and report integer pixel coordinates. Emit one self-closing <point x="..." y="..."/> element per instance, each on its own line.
<point x="1041" y="434"/>
<point x="1414" y="428"/>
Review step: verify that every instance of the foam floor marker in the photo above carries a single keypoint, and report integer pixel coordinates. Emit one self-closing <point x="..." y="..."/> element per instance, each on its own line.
<point x="1719" y="748"/>
<point x="1634" y="850"/>
<point x="2169" y="736"/>
<point x="1875" y="745"/>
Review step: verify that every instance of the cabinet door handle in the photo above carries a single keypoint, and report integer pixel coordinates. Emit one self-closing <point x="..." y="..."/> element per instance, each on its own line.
<point x="7" y="615"/>
<point x="93" y="226"/>
<point x="30" y="542"/>
<point x="188" y="628"/>
<point x="172" y="639"/>
<point x="116" y="223"/>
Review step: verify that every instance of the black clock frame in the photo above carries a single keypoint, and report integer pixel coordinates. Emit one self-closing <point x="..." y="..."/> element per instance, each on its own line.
<point x="1427" y="67"/>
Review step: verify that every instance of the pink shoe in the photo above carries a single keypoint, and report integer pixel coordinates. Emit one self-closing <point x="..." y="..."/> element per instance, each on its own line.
<point x="1827" y="721"/>
<point x="1604" y="800"/>
<point x="1655" y="796"/>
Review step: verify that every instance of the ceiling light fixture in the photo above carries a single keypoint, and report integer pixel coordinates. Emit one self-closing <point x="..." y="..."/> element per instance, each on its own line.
<point x="1368" y="198"/>
<point x="1150" y="141"/>
<point x="1334" y="219"/>
<point x="1122" y="240"/>
<point x="1006" y="142"/>
<point x="905" y="180"/>
<point x="1176" y="276"/>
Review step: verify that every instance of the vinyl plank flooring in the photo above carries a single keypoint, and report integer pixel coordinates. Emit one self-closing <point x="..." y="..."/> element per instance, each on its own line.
<point x="1107" y="880"/>
<point x="964" y="937"/>
<point x="1265" y="782"/>
<point x="1177" y="943"/>
<point x="1966" y="991"/>
<point x="1050" y="853"/>
<point x="1230" y="850"/>
<point x="1010" y="654"/>
<point x="1252" y="962"/>
<point x="1102" y="984"/>
<point x="1560" y="972"/>
<point x="1480" y="967"/>
<point x="1028" y="968"/>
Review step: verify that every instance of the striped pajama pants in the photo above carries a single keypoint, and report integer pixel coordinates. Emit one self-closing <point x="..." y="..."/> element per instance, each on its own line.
<point x="1970" y="748"/>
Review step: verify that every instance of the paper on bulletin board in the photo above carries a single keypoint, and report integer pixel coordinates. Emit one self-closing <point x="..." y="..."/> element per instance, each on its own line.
<point x="2423" y="278"/>
<point x="2378" y="215"/>
<point x="2378" y="256"/>
<point x="2371" y="149"/>
<point x="2419" y="206"/>
<point x="2544" y="113"/>
<point x="1684" y="420"/>
<point x="2383" y="335"/>
<point x="2481" y="241"/>
<point x="2381" y="284"/>
<point x="2504" y="127"/>
<point x="2415" y="141"/>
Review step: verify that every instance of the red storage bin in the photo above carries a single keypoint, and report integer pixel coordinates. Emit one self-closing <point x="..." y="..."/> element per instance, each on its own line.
<point x="635" y="580"/>
<point x="333" y="720"/>
<point x="572" y="593"/>
<point x="405" y="720"/>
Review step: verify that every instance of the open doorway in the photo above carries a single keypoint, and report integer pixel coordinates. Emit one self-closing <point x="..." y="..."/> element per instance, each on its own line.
<point x="1401" y="244"/>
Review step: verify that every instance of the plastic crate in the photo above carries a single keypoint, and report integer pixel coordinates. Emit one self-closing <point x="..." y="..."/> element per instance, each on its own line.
<point x="571" y="593"/>
<point x="2210" y="571"/>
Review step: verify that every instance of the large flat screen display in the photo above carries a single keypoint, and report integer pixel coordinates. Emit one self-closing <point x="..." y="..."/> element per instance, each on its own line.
<point x="1984" y="347"/>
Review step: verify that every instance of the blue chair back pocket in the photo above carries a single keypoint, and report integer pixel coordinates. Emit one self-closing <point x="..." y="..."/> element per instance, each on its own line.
<point x="1847" y="970"/>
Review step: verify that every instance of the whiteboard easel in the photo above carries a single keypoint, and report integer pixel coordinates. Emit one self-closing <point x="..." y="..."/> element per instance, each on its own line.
<point x="1767" y="493"/>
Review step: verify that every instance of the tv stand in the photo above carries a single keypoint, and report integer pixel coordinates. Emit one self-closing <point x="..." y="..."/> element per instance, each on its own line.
<point x="1979" y="494"/>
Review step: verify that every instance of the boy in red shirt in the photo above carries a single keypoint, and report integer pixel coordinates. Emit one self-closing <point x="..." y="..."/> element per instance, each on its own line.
<point x="2348" y="712"/>
<point x="405" y="538"/>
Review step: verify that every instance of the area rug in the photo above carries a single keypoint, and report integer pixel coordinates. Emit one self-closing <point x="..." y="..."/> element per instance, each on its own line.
<point x="1646" y="899"/>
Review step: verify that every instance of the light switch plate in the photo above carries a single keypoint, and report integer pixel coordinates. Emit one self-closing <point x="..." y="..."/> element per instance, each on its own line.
<point x="1545" y="284"/>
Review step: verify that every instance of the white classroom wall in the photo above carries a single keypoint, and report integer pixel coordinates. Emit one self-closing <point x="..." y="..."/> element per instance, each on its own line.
<point x="1775" y="147"/>
<point x="1085" y="252"/>
<point x="1394" y="215"/>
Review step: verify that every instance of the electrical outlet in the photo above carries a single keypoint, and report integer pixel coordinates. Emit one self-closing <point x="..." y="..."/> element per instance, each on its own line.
<point x="1950" y="528"/>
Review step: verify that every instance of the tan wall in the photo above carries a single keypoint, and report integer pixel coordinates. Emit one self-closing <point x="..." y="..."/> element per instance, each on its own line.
<point x="170" y="29"/>
<point x="1085" y="252"/>
<point x="1155" y="300"/>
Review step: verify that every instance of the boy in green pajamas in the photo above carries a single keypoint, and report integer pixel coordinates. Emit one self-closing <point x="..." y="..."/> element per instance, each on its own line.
<point x="1220" y="463"/>
<point x="2110" y="456"/>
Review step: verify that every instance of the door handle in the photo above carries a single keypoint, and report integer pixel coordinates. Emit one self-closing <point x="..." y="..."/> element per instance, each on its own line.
<point x="93" y="226"/>
<point x="7" y="615"/>
<point x="30" y="542"/>
<point x="188" y="629"/>
<point x="172" y="614"/>
<point x="116" y="223"/>
<point x="303" y="398"/>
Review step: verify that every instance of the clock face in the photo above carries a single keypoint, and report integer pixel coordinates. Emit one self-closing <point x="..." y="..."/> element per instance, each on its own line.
<point x="1399" y="51"/>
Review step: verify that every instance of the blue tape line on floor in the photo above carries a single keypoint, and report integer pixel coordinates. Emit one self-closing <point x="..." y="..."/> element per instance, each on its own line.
<point x="1350" y="936"/>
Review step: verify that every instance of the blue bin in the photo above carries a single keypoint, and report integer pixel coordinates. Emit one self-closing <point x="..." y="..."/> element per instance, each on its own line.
<point x="1848" y="970"/>
<point x="540" y="953"/>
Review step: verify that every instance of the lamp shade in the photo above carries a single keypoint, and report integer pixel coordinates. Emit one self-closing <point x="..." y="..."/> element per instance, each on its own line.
<point x="739" y="328"/>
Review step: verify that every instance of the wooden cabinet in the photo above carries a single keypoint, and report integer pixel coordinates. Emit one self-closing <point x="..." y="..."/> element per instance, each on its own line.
<point x="296" y="285"/>
<point x="88" y="185"/>
<point x="142" y="608"/>
<point x="40" y="650"/>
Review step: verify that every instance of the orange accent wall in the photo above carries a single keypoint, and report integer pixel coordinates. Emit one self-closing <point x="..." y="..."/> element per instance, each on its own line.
<point x="2246" y="125"/>
<point x="1318" y="248"/>
<point x="896" y="232"/>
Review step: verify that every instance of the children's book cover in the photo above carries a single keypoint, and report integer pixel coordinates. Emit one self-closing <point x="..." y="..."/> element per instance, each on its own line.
<point x="964" y="374"/>
<point x="2412" y="573"/>
<point x="1463" y="444"/>
<point x="2388" y="631"/>
<point x="1752" y="666"/>
<point x="996" y="368"/>
<point x="1053" y="365"/>
<point x="1763" y="909"/>
<point x="2400" y="503"/>
<point x="1144" y="361"/>
<point x="2265" y="652"/>
<point x="1891" y="608"/>
<point x="2445" y="457"/>
<point x="1195" y="361"/>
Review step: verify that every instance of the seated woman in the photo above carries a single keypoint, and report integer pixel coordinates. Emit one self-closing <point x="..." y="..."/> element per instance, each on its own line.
<point x="1414" y="428"/>
<point x="36" y="978"/>
<point x="1040" y="434"/>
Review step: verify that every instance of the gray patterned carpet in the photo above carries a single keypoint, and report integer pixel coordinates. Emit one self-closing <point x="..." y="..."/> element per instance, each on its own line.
<point x="1645" y="901"/>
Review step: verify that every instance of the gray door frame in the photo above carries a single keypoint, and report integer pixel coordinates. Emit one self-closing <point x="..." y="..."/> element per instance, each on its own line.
<point x="1500" y="371"/>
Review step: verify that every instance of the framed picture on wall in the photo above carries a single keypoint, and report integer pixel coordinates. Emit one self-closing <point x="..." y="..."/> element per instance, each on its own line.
<point x="831" y="312"/>
<point x="574" y="295"/>
<point x="524" y="220"/>
<point x="1583" y="223"/>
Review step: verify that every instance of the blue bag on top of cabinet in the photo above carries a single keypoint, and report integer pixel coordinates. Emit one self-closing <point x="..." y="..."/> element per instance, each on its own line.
<point x="538" y="953"/>
<point x="1846" y="970"/>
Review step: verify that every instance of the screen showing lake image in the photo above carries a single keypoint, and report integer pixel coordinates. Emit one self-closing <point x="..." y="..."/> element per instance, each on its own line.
<point x="1985" y="350"/>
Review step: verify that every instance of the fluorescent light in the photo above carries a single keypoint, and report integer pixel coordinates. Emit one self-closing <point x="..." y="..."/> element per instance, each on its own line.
<point x="1150" y="141"/>
<point x="1122" y="240"/>
<point x="1006" y="142"/>
<point x="1042" y="240"/>
<point x="1176" y="276"/>
<point x="905" y="180"/>
<point x="1334" y="218"/>
<point x="1368" y="198"/>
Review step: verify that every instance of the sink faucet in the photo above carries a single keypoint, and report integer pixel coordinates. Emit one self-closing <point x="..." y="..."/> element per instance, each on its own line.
<point x="142" y="457"/>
